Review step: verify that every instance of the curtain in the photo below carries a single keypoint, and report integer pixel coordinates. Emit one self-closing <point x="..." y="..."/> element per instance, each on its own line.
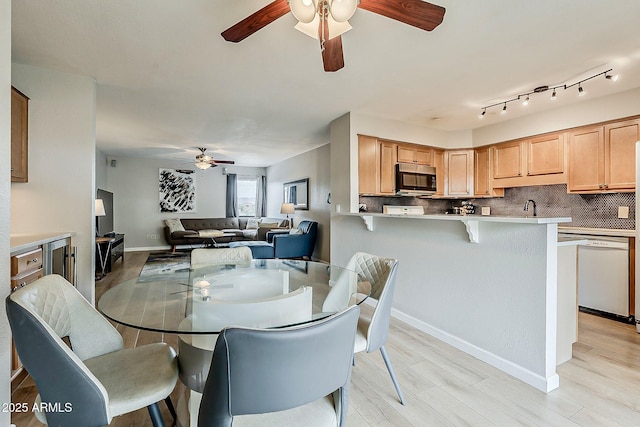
<point x="232" y="195"/>
<point x="261" y="196"/>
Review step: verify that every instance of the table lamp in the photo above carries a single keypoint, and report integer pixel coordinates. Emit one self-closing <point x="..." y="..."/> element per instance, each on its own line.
<point x="288" y="209"/>
<point x="99" y="208"/>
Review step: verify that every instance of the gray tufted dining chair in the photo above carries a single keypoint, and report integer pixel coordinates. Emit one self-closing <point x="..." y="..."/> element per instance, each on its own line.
<point x="95" y="378"/>
<point x="296" y="376"/>
<point x="373" y="332"/>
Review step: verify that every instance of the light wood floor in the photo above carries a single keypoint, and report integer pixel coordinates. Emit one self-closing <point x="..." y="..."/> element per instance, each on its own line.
<point x="600" y="386"/>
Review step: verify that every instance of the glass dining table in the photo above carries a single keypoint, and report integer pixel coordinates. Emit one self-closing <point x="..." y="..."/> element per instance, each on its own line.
<point x="264" y="293"/>
<point x="197" y="302"/>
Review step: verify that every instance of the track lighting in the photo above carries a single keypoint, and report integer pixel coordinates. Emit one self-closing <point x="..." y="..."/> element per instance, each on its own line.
<point x="539" y="89"/>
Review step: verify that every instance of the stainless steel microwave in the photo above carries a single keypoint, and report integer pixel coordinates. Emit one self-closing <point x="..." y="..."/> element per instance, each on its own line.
<point x="415" y="180"/>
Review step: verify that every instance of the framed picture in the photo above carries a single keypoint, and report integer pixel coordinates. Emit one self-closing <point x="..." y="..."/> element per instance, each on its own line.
<point x="297" y="192"/>
<point x="177" y="191"/>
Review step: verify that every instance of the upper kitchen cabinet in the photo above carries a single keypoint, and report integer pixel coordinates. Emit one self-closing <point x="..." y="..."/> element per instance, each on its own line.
<point x="602" y="158"/>
<point x="438" y="163"/>
<point x="545" y="154"/>
<point x="507" y="160"/>
<point x="376" y="166"/>
<point x="482" y="181"/>
<point x="458" y="173"/>
<point x="19" y="136"/>
<point x="415" y="154"/>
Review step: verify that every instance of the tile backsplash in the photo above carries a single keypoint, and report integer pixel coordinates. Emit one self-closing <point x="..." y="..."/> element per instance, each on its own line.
<point x="586" y="210"/>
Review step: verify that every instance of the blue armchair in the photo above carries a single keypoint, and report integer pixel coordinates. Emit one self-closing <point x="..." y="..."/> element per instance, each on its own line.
<point x="296" y="245"/>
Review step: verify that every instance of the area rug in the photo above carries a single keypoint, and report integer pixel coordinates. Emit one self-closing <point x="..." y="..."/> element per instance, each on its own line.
<point x="161" y="264"/>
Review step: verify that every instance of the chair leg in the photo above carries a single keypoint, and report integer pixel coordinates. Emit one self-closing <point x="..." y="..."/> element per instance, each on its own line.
<point x="387" y="362"/>
<point x="171" y="408"/>
<point x="156" y="416"/>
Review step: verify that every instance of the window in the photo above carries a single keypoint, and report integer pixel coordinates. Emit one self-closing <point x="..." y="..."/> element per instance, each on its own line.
<point x="247" y="196"/>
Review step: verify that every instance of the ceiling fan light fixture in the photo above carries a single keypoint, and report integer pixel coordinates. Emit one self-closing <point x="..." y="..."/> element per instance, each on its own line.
<point x="335" y="28"/>
<point x="343" y="10"/>
<point x="203" y="165"/>
<point x="303" y="10"/>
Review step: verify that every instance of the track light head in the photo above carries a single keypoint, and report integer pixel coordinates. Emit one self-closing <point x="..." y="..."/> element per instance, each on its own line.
<point x="504" y="109"/>
<point x="553" y="95"/>
<point x="581" y="91"/>
<point x="484" y="111"/>
<point x="526" y="101"/>
<point x="613" y="78"/>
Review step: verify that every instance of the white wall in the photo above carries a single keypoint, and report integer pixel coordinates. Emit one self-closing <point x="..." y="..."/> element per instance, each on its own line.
<point x="101" y="169"/>
<point x="60" y="192"/>
<point x="314" y="165"/>
<point x="619" y="105"/>
<point x="487" y="298"/>
<point x="134" y="184"/>
<point x="5" y="202"/>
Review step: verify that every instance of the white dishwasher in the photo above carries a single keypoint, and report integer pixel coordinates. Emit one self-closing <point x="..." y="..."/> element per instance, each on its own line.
<point x="603" y="274"/>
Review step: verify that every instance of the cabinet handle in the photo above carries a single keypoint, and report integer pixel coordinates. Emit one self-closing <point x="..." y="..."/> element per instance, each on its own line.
<point x="599" y="185"/>
<point x="606" y="186"/>
<point x="33" y="260"/>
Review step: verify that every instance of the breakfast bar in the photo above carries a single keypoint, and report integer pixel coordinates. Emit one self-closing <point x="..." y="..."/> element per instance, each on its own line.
<point x="484" y="284"/>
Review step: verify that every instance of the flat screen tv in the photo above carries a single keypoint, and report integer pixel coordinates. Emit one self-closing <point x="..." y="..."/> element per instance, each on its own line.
<point x="105" y="223"/>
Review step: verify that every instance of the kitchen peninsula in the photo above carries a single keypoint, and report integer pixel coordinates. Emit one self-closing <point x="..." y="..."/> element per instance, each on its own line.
<point x="484" y="284"/>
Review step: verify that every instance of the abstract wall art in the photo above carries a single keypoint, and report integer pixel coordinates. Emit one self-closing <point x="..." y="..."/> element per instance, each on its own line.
<point x="177" y="191"/>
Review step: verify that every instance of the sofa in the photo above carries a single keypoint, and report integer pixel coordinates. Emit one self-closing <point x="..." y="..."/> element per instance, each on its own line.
<point x="298" y="243"/>
<point x="198" y="231"/>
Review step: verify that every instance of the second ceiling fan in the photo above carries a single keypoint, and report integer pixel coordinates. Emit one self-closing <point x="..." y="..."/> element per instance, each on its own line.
<point x="326" y="20"/>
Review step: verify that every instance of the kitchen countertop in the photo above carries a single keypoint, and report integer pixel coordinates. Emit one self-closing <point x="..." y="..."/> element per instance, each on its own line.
<point x="21" y="242"/>
<point x="467" y="218"/>
<point x="597" y="231"/>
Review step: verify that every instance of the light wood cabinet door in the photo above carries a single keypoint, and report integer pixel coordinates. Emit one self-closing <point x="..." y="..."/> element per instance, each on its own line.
<point x="438" y="163"/>
<point x="620" y="154"/>
<point x="19" y="136"/>
<point x="459" y="172"/>
<point x="368" y="161"/>
<point x="507" y="160"/>
<point x="586" y="160"/>
<point x="545" y="154"/>
<point x="481" y="181"/>
<point x="388" y="160"/>
<point x="412" y="154"/>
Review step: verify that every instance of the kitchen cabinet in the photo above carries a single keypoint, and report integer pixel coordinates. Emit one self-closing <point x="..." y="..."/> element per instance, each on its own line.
<point x="507" y="160"/>
<point x="602" y="158"/>
<point x="482" y="181"/>
<point x="376" y="166"/>
<point x="368" y="170"/>
<point x="388" y="160"/>
<point x="19" y="136"/>
<point x="438" y="163"/>
<point x="459" y="173"/>
<point x="414" y="154"/>
<point x="545" y="154"/>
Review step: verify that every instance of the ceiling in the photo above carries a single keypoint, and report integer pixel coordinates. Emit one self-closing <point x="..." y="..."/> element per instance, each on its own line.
<point x="168" y="82"/>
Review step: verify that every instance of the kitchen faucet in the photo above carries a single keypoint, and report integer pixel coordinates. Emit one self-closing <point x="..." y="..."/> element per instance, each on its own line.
<point x="526" y="207"/>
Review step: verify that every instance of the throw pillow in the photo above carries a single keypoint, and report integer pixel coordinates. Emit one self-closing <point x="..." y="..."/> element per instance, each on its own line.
<point x="253" y="223"/>
<point x="174" y="225"/>
<point x="268" y="225"/>
<point x="295" y="231"/>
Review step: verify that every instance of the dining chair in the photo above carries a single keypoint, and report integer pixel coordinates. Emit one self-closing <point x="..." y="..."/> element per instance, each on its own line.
<point x="281" y="377"/>
<point x="373" y="332"/>
<point x="93" y="378"/>
<point x="202" y="256"/>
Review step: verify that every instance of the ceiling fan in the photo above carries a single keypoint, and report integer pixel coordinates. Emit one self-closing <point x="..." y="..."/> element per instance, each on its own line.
<point x="326" y="20"/>
<point x="204" y="161"/>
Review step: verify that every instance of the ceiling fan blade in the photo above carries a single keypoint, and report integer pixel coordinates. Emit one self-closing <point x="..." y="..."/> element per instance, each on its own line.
<point x="256" y="21"/>
<point x="225" y="162"/>
<point x="417" y="13"/>
<point x="332" y="56"/>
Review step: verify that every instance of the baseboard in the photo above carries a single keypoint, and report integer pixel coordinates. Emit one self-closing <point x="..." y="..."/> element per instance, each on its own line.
<point x="541" y="383"/>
